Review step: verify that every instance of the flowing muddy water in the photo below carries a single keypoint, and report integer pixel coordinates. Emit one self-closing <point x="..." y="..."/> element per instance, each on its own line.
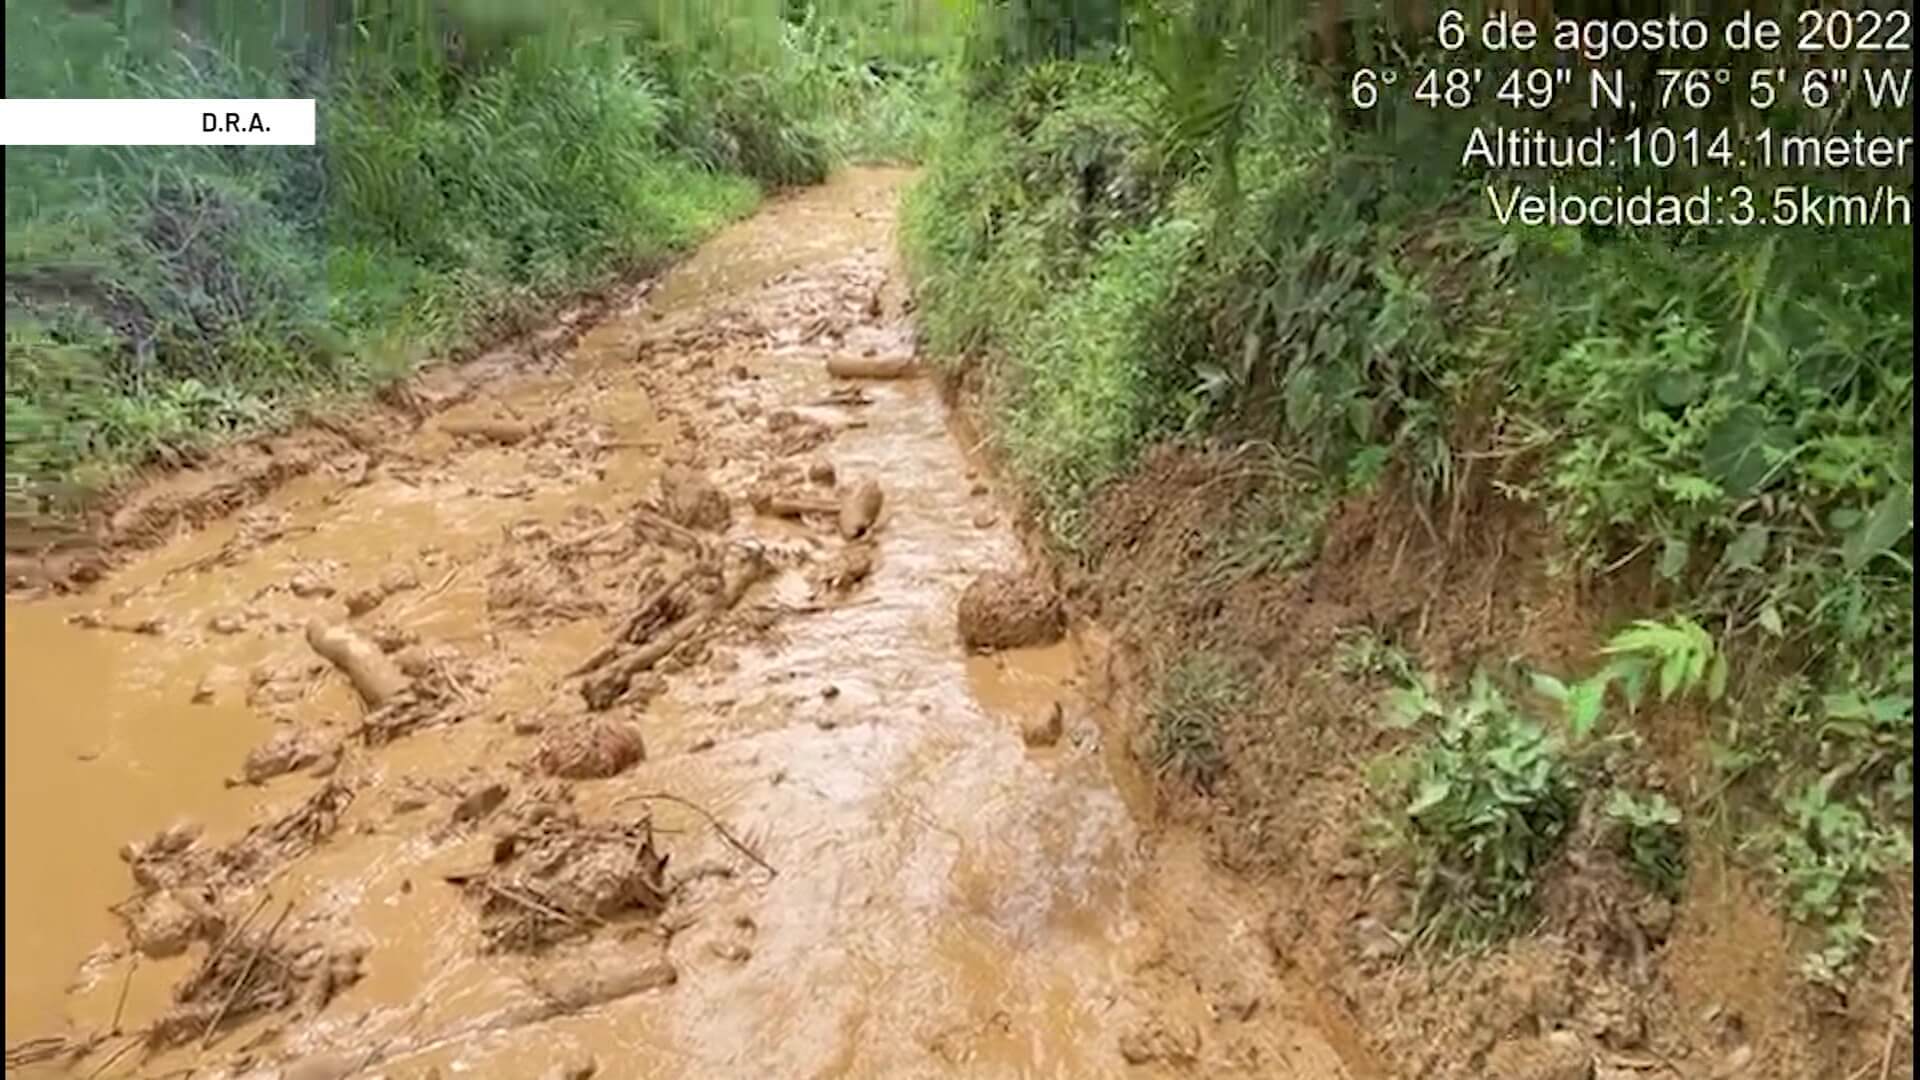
<point x="898" y="884"/>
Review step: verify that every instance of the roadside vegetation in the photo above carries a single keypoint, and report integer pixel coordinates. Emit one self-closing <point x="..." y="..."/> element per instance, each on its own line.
<point x="1174" y="225"/>
<point x="477" y="164"/>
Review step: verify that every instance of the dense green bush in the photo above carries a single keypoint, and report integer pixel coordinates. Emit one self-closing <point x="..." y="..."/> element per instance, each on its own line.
<point x="1181" y="227"/>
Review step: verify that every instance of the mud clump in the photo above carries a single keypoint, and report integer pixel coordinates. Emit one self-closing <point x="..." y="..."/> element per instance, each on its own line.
<point x="555" y="877"/>
<point x="285" y="752"/>
<point x="845" y="569"/>
<point x="163" y="923"/>
<point x="1002" y="610"/>
<point x="594" y="748"/>
<point x="690" y="500"/>
<point x="1043" y="731"/>
<point x="251" y="973"/>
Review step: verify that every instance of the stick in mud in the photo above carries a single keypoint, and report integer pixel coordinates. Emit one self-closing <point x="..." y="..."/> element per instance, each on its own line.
<point x="616" y="675"/>
<point x="503" y="432"/>
<point x="781" y="505"/>
<point x="631" y="625"/>
<point x="370" y="671"/>
<point x="870" y="367"/>
<point x="725" y="834"/>
<point x="246" y="973"/>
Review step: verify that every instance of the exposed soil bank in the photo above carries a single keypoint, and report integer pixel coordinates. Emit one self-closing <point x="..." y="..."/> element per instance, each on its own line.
<point x="1613" y="982"/>
<point x="662" y="782"/>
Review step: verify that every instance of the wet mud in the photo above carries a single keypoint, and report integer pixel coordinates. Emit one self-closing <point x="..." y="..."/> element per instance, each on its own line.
<point x="617" y="720"/>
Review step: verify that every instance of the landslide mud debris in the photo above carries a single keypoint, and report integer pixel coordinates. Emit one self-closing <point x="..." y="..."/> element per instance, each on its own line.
<point x="1007" y="610"/>
<point x="556" y="877"/>
<point x="618" y="706"/>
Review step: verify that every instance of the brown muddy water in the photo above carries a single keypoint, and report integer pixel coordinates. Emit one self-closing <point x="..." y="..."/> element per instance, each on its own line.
<point x="903" y="886"/>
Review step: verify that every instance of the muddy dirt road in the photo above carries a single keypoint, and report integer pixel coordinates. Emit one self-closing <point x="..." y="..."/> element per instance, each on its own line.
<point x="868" y="871"/>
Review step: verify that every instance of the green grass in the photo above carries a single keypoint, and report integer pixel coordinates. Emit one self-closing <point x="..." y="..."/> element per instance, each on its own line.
<point x="1194" y="698"/>
<point x="160" y="299"/>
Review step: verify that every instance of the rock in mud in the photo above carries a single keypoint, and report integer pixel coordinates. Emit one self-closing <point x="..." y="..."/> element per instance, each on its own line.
<point x="361" y="601"/>
<point x="584" y="1069"/>
<point x="985" y="519"/>
<point x="860" y="510"/>
<point x="218" y="678"/>
<point x="398" y="579"/>
<point x="1043" y="731"/>
<point x="1559" y="1056"/>
<point x="227" y="624"/>
<point x="1002" y="610"/>
<point x="479" y="803"/>
<point x="309" y="586"/>
<point x="1155" y="1040"/>
<point x="391" y="639"/>
<point x="691" y="500"/>
<point x="594" y="748"/>
<point x="283" y="753"/>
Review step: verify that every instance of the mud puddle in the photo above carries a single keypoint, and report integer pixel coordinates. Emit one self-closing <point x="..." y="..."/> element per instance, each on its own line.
<point x="686" y="774"/>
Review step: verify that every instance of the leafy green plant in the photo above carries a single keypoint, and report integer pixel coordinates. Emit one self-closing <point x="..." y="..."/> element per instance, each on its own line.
<point x="1651" y="839"/>
<point x="1831" y="857"/>
<point x="1679" y="655"/>
<point x="1488" y="797"/>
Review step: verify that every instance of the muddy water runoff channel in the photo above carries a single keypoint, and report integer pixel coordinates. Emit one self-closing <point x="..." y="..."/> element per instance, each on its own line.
<point x="937" y="897"/>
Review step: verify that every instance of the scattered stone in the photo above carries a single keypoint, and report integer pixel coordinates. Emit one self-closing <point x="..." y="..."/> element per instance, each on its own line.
<point x="529" y="725"/>
<point x="1374" y="940"/>
<point x="226" y="623"/>
<point x="479" y="803"/>
<point x="978" y="489"/>
<point x="329" y="760"/>
<point x="308" y="586"/>
<point x="829" y="692"/>
<point x="582" y="1069"/>
<point x="1002" y="610"/>
<point x="1156" y="1040"/>
<point x="399" y="579"/>
<point x="822" y="472"/>
<point x="1042" y="731"/>
<point x="985" y="519"/>
<point x="732" y="952"/>
<point x="361" y="601"/>
<point x="408" y="803"/>
<point x="1559" y="1056"/>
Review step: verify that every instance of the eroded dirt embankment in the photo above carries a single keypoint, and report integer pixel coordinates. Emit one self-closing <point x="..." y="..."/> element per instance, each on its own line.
<point x="607" y="719"/>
